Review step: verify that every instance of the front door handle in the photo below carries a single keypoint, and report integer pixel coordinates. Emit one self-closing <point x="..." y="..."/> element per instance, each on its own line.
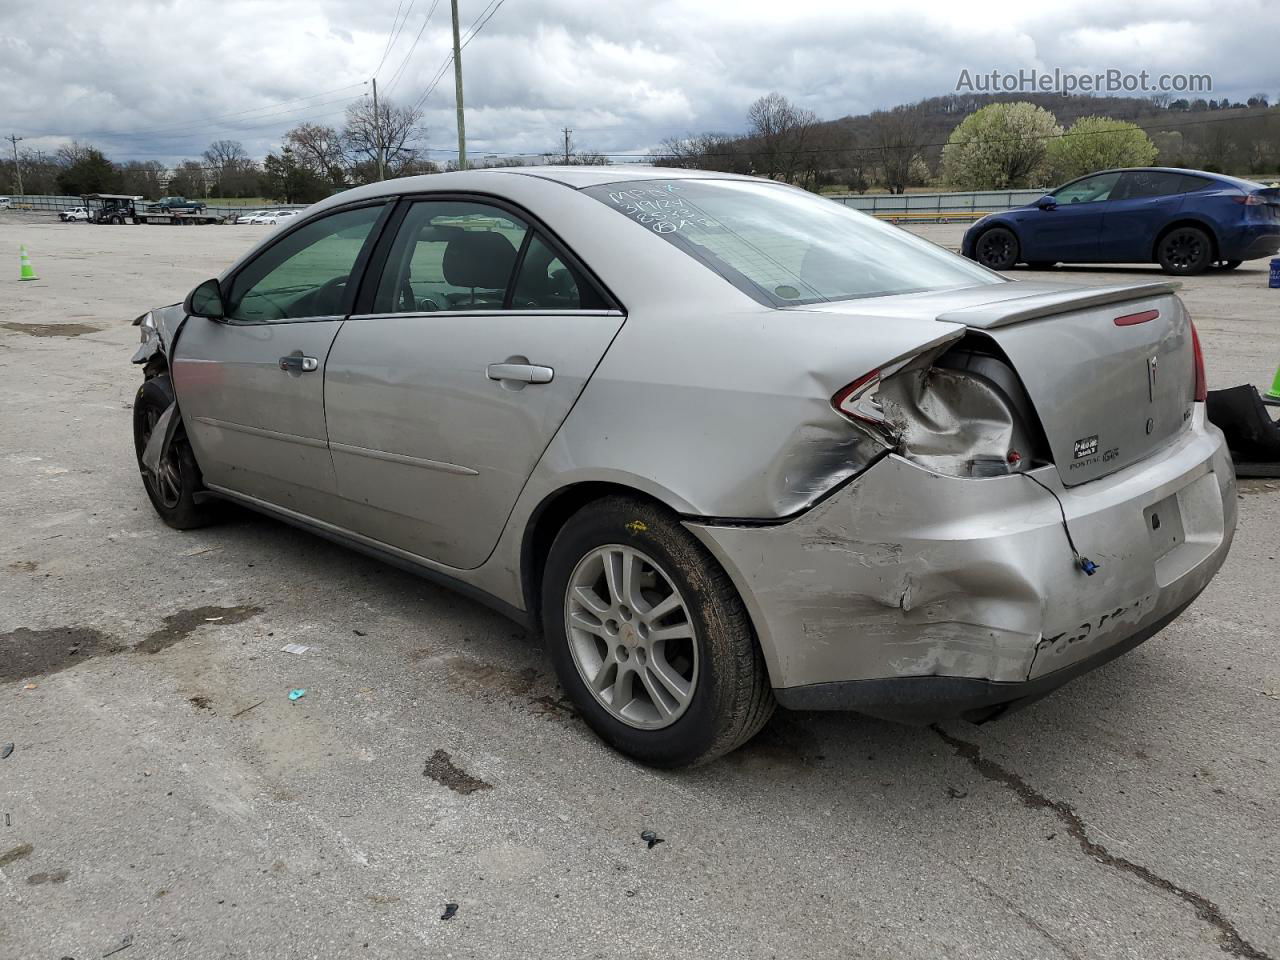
<point x="300" y="364"/>
<point x="519" y="372"/>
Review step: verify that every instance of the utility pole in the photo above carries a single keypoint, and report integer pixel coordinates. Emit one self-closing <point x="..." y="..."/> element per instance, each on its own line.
<point x="377" y="133"/>
<point x="17" y="167"/>
<point x="567" y="132"/>
<point x="457" y="87"/>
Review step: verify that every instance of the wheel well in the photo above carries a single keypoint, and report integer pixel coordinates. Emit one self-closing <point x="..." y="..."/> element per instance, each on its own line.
<point x="545" y="522"/>
<point x="997" y="225"/>
<point x="1198" y="224"/>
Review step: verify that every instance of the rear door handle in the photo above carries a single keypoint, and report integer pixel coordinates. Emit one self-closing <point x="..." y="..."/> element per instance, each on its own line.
<point x="519" y="372"/>
<point x="297" y="362"/>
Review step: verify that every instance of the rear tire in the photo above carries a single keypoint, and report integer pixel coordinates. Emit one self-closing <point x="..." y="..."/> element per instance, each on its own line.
<point x="997" y="249"/>
<point x="173" y="489"/>
<point x="621" y="571"/>
<point x="1184" y="251"/>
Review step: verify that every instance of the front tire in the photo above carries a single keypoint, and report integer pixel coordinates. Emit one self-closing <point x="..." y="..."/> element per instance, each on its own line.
<point x="1185" y="251"/>
<point x="997" y="249"/>
<point x="172" y="489"/>
<point x="649" y="637"/>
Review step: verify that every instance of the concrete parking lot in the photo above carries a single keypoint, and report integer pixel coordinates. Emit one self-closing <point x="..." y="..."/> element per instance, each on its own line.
<point x="165" y="795"/>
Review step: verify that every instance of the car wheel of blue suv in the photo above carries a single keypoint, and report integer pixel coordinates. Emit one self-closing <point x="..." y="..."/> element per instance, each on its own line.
<point x="997" y="249"/>
<point x="1185" y="251"/>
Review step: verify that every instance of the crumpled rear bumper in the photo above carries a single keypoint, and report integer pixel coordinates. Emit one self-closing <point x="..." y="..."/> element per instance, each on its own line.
<point x="915" y="596"/>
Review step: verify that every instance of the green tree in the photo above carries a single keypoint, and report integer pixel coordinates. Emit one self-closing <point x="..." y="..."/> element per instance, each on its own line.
<point x="1099" y="143"/>
<point x="1001" y="146"/>
<point x="283" y="178"/>
<point x="86" y="170"/>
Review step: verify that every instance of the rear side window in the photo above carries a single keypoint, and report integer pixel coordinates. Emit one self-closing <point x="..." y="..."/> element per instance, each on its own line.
<point x="1141" y="184"/>
<point x="467" y="255"/>
<point x="1190" y="183"/>
<point x="547" y="282"/>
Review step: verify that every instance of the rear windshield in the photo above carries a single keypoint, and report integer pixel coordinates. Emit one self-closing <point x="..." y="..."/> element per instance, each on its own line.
<point x="784" y="246"/>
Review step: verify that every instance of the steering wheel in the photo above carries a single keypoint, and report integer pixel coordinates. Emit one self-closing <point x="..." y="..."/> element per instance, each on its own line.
<point x="321" y="296"/>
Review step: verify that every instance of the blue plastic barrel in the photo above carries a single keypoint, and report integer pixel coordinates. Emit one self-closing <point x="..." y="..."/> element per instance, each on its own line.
<point x="1275" y="274"/>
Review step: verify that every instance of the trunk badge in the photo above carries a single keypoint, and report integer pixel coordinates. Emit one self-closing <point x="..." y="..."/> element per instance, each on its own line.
<point x="1151" y="378"/>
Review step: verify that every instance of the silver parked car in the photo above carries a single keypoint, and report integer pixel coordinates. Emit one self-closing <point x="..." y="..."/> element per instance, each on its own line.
<point x="725" y="443"/>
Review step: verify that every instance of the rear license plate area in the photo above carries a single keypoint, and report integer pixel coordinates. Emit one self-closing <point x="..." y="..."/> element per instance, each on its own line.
<point x="1164" y="526"/>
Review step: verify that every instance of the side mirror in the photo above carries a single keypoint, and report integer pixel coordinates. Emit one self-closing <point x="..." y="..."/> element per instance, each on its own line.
<point x="206" y="301"/>
<point x="1047" y="202"/>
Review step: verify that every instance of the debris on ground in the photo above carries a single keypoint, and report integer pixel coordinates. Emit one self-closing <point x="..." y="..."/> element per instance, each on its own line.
<point x="247" y="709"/>
<point x="450" y="911"/>
<point x="295" y="648"/>
<point x="1252" y="436"/>
<point x="359" y="633"/>
<point x="445" y="772"/>
<point x="30" y="686"/>
<point x="15" y="853"/>
<point x="955" y="794"/>
<point x="125" y="943"/>
<point x="5" y="751"/>
<point x="297" y="694"/>
<point x="651" y="838"/>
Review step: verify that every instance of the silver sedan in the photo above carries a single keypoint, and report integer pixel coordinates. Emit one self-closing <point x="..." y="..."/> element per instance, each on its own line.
<point x="727" y="445"/>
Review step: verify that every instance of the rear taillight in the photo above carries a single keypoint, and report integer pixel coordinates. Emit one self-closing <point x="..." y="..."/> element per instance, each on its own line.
<point x="1202" y="384"/>
<point x="858" y="400"/>
<point x="1249" y="200"/>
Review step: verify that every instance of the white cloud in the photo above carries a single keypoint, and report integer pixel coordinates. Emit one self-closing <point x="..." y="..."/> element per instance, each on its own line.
<point x="162" y="78"/>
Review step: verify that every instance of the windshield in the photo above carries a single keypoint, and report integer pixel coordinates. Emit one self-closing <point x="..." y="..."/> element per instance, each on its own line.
<point x="784" y="246"/>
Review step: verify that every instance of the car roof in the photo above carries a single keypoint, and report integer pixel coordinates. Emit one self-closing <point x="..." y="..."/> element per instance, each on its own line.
<point x="595" y="175"/>
<point x="1221" y="177"/>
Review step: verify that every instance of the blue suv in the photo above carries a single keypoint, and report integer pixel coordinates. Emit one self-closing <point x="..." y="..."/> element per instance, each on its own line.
<point x="1184" y="220"/>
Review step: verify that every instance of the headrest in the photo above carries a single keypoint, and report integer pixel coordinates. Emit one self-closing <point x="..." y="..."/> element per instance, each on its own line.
<point x="479" y="259"/>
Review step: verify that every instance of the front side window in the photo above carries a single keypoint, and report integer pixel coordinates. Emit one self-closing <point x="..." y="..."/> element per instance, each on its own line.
<point x="784" y="246"/>
<point x="451" y="255"/>
<point x="306" y="274"/>
<point x="1089" y="190"/>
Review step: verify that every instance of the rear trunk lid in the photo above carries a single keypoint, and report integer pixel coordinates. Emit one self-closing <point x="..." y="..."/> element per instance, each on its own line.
<point x="1110" y="371"/>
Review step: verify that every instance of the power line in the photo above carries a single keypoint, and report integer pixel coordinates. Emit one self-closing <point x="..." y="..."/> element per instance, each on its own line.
<point x="476" y="26"/>
<point x="394" y="34"/>
<point x="395" y="77"/>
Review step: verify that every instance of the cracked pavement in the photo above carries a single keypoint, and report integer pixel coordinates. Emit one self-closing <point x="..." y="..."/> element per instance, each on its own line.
<point x="164" y="788"/>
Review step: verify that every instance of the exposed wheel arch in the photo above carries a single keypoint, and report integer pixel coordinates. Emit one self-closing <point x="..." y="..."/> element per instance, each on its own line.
<point x="548" y="518"/>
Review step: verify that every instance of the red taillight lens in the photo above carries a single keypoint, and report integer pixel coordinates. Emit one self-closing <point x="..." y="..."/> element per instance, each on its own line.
<point x="1249" y="200"/>
<point x="857" y="400"/>
<point x="1202" y="384"/>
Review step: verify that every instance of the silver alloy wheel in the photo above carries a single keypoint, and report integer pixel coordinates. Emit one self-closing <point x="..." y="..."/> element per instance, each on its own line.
<point x="631" y="637"/>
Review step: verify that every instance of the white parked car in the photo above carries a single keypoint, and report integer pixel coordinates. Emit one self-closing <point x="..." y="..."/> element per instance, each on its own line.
<point x="281" y="216"/>
<point x="5" y="202"/>
<point x="254" y="217"/>
<point x="75" y="213"/>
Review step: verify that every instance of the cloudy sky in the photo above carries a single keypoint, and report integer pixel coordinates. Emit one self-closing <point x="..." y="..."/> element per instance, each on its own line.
<point x="160" y="79"/>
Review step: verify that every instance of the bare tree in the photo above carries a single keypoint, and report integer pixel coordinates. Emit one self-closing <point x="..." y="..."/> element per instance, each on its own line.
<point x="782" y="131"/>
<point x="703" y="151"/>
<point x="896" y="134"/>
<point x="393" y="131"/>
<point x="231" y="171"/>
<point x="142" y="178"/>
<point x="319" y="150"/>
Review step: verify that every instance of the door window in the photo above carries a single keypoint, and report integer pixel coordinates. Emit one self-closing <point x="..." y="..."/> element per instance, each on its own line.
<point x="546" y="282"/>
<point x="1089" y="190"/>
<point x="451" y="255"/>
<point x="306" y="274"/>
<point x="1142" y="184"/>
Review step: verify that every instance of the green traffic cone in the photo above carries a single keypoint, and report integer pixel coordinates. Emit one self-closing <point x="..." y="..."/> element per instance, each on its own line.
<point x="1272" y="396"/>
<point x="25" y="270"/>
